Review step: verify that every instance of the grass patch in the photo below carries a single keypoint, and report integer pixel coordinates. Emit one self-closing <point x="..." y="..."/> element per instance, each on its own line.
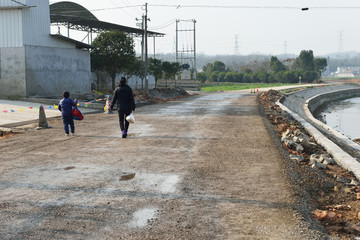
<point x="214" y="87"/>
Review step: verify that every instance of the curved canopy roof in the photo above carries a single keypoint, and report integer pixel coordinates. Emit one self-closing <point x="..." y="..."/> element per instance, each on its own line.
<point x="75" y="16"/>
<point x="71" y="10"/>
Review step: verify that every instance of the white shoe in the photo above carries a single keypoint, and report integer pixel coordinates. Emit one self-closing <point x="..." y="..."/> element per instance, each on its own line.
<point x="66" y="134"/>
<point x="73" y="134"/>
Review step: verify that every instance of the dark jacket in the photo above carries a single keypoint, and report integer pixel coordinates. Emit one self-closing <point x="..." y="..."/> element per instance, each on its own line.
<point x="65" y="106"/>
<point x="124" y="98"/>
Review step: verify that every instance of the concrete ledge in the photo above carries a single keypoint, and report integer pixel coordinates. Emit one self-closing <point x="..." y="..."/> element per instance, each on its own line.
<point x="315" y="102"/>
<point x="342" y="158"/>
<point x="318" y="100"/>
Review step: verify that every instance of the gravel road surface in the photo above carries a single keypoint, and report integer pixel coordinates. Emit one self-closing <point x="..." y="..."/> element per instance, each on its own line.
<point x="204" y="167"/>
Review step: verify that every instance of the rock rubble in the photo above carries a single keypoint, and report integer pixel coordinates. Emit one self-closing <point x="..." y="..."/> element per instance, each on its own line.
<point x="334" y="191"/>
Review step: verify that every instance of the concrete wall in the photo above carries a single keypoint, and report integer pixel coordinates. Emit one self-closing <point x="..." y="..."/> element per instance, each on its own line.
<point x="50" y="71"/>
<point x="319" y="100"/>
<point x="133" y="82"/>
<point x="12" y="72"/>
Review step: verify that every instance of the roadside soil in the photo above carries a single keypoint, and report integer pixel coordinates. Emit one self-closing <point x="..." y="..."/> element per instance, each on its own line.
<point x="333" y="192"/>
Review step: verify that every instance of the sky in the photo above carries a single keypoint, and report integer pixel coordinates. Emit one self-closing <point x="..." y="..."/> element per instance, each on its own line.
<point x="243" y="27"/>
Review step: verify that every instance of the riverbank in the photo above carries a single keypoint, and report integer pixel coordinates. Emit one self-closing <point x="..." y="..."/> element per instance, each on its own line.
<point x="296" y="103"/>
<point x="324" y="188"/>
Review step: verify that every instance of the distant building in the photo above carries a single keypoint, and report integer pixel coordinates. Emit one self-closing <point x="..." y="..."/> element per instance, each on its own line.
<point x="346" y="72"/>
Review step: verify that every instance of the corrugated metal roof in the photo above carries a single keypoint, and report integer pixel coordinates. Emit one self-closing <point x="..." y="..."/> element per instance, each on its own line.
<point x="12" y="4"/>
<point x="71" y="10"/>
<point x="78" y="44"/>
<point x="77" y="17"/>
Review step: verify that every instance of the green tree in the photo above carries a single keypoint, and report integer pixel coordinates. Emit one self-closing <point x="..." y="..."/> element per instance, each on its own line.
<point x="134" y="67"/>
<point x="276" y="65"/>
<point x="239" y="77"/>
<point x="208" y="69"/>
<point x="170" y="69"/>
<point x="305" y="61"/>
<point x="214" y="77"/>
<point x="155" y="68"/>
<point x="113" y="53"/>
<point x="201" y="76"/>
<point x="229" y="77"/>
<point x="221" y="77"/>
<point x="320" y="64"/>
<point x="290" y="77"/>
<point x="219" y="66"/>
<point x="246" y="70"/>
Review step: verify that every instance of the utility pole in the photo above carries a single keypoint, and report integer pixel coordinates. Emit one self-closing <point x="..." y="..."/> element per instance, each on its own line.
<point x="194" y="67"/>
<point x="146" y="52"/>
<point x="141" y="26"/>
<point x="177" y="42"/>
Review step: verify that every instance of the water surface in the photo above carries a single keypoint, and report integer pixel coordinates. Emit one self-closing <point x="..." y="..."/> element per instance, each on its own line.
<point x="343" y="116"/>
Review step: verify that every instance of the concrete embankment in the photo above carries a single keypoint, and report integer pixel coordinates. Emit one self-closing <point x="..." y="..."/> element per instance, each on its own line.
<point x="314" y="103"/>
<point x="317" y="101"/>
<point x="344" y="151"/>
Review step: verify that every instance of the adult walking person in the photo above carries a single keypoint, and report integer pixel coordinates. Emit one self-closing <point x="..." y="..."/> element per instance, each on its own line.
<point x="123" y="96"/>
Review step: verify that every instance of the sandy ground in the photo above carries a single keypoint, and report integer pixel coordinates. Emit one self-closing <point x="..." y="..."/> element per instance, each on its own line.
<point x="204" y="167"/>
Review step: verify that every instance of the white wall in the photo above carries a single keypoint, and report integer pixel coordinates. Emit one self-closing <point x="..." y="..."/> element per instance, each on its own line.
<point x="8" y="3"/>
<point x="133" y="82"/>
<point x="36" y="23"/>
<point x="27" y="26"/>
<point x="11" y="28"/>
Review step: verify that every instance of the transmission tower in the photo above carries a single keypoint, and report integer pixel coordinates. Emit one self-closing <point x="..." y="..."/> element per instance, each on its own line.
<point x="341" y="49"/>
<point x="236" y="46"/>
<point x="188" y="55"/>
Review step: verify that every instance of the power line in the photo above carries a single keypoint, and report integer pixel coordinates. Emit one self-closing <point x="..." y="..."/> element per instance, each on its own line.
<point x="66" y="10"/>
<point x="256" y="7"/>
<point x="164" y="25"/>
<point x="121" y="9"/>
<point x="133" y="9"/>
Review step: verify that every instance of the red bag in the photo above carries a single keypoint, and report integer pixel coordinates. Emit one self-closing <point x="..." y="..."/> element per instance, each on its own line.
<point x="76" y="114"/>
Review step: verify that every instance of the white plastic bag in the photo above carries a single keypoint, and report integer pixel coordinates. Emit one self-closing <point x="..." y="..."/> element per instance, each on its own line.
<point x="130" y="118"/>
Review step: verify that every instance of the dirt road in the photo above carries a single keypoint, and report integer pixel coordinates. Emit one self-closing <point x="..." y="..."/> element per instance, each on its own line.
<point x="205" y="168"/>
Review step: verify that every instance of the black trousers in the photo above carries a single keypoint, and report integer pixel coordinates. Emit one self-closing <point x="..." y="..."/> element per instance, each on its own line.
<point x="124" y="125"/>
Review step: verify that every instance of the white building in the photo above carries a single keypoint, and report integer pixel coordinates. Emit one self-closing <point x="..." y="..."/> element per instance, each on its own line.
<point x="32" y="61"/>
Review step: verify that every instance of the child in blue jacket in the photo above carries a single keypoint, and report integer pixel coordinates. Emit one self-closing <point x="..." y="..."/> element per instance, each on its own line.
<point x="65" y="106"/>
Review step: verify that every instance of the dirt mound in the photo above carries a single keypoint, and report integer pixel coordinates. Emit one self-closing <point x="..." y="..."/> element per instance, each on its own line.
<point x="333" y="192"/>
<point x="159" y="95"/>
<point x="5" y="134"/>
